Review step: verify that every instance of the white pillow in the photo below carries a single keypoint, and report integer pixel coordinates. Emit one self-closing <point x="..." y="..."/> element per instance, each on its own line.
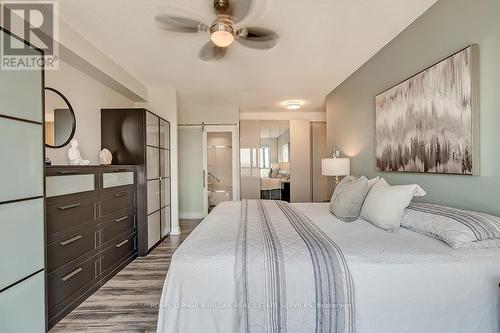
<point x="372" y="182"/>
<point x="385" y="205"/>
<point x="456" y="227"/>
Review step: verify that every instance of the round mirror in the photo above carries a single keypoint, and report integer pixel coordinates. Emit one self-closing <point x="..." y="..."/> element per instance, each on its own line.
<point x="60" y="120"/>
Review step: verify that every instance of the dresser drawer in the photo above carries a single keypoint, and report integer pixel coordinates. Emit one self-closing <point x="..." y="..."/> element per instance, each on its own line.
<point x="117" y="200"/>
<point x="65" y="282"/>
<point x="71" y="214"/>
<point x="65" y="250"/>
<point x="117" y="179"/>
<point x="69" y="182"/>
<point x="117" y="224"/>
<point x="121" y="249"/>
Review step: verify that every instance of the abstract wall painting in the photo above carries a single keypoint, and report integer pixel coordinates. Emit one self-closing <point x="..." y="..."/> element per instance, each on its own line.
<point x="428" y="123"/>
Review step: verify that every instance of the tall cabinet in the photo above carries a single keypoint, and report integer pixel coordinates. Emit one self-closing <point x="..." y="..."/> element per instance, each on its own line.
<point x="138" y="136"/>
<point x="22" y="261"/>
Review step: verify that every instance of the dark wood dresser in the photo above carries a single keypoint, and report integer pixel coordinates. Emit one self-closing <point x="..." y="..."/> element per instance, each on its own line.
<point x="91" y="231"/>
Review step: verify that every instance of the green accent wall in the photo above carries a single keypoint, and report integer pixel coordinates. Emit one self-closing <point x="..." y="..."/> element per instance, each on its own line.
<point x="445" y="28"/>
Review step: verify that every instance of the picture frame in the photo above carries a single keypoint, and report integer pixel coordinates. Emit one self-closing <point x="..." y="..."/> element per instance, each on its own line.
<point x="429" y="123"/>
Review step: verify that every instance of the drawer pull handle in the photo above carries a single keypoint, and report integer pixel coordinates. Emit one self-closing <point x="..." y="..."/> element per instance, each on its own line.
<point x="119" y="170"/>
<point x="70" y="275"/>
<point x="118" y="195"/>
<point x="71" y="240"/>
<point x="68" y="172"/>
<point x="122" y="219"/>
<point x="66" y="207"/>
<point x="122" y="243"/>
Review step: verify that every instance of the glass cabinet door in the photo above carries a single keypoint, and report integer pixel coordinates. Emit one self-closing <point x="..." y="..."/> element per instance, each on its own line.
<point x="158" y="177"/>
<point x="152" y="129"/>
<point x="165" y="163"/>
<point x="165" y="176"/>
<point x="165" y="219"/>
<point x="153" y="168"/>
<point x="164" y="134"/>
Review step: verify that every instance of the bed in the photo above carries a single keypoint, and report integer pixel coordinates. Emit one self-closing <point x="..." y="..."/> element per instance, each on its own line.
<point x="269" y="266"/>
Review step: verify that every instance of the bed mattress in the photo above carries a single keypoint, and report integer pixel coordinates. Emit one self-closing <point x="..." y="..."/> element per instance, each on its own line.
<point x="402" y="282"/>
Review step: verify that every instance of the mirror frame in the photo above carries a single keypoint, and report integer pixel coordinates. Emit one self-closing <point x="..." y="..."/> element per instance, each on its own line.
<point x="72" y="114"/>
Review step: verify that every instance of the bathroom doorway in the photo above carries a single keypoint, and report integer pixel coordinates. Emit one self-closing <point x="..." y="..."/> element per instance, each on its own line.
<point x="220" y="173"/>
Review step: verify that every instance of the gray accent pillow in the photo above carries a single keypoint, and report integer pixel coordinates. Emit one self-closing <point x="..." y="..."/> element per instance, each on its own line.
<point x="348" y="198"/>
<point x="275" y="173"/>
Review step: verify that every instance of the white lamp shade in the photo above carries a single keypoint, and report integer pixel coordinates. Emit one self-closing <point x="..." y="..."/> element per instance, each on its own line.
<point x="284" y="166"/>
<point x="336" y="167"/>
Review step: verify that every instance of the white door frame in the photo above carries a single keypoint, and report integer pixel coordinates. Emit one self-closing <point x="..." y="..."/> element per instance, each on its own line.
<point x="234" y="130"/>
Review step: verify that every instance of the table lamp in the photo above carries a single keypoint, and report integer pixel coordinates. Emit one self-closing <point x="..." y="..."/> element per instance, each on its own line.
<point x="336" y="166"/>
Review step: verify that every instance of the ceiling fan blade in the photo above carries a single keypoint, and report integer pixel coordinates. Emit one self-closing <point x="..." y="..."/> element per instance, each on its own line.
<point x="179" y="23"/>
<point x="257" y="38"/>
<point x="240" y="9"/>
<point x="210" y="51"/>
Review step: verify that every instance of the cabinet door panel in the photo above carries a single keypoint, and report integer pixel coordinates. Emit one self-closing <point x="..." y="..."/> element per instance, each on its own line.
<point x="153" y="196"/>
<point x="164" y="134"/>
<point x="21" y="234"/>
<point x="165" y="162"/>
<point x="153" y="229"/>
<point x="21" y="170"/>
<point x="165" y="221"/>
<point x="152" y="129"/>
<point x="21" y="93"/>
<point x="165" y="192"/>
<point x="22" y="307"/>
<point x="153" y="163"/>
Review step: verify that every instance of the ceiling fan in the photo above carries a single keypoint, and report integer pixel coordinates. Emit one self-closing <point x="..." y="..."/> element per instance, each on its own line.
<point x="223" y="30"/>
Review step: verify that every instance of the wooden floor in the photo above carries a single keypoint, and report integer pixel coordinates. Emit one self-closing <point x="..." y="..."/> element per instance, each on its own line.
<point x="128" y="302"/>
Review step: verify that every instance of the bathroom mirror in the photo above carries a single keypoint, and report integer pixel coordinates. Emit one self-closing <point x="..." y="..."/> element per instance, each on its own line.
<point x="60" y="120"/>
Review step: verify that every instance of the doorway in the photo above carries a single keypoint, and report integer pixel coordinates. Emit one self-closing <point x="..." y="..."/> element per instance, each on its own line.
<point x="220" y="165"/>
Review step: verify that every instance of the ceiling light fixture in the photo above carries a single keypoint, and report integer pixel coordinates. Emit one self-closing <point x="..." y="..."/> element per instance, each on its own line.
<point x="222" y="34"/>
<point x="293" y="105"/>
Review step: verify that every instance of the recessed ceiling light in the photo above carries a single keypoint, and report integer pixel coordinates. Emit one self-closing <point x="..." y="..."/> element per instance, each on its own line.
<point x="293" y="105"/>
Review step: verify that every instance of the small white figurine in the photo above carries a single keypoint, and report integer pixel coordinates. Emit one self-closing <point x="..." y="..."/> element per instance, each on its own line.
<point x="74" y="156"/>
<point x="105" y="157"/>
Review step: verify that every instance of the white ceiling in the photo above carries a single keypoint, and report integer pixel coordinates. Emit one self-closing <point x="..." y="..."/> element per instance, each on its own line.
<point x="322" y="42"/>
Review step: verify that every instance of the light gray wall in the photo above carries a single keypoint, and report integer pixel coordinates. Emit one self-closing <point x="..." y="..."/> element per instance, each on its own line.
<point x="210" y="114"/>
<point x="445" y="28"/>
<point x="87" y="97"/>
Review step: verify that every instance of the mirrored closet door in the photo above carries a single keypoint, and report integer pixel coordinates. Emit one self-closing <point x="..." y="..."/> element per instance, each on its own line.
<point x="265" y="159"/>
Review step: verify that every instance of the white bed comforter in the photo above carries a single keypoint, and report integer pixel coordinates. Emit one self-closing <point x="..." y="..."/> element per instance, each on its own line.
<point x="403" y="282"/>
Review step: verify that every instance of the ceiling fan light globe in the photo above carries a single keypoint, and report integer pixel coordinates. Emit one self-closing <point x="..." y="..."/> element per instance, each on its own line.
<point x="222" y="34"/>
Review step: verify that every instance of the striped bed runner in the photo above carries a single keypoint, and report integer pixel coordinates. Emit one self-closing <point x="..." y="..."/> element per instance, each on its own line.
<point x="291" y="276"/>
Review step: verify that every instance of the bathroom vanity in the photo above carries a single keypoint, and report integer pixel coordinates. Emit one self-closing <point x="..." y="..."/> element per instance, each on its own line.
<point x="91" y="231"/>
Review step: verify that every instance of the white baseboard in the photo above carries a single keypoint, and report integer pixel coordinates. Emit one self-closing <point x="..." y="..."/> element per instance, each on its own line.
<point x="175" y="232"/>
<point x="191" y="215"/>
